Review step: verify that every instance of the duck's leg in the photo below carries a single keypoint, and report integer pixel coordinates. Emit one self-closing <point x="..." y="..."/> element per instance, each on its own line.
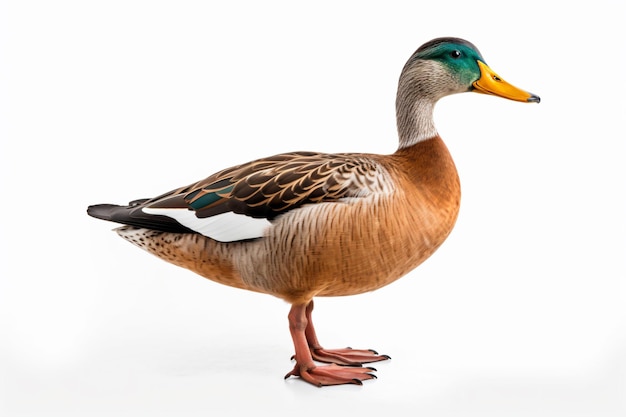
<point x="347" y="356"/>
<point x="305" y="367"/>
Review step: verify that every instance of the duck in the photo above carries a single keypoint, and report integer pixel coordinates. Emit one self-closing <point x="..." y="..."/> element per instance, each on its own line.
<point x="302" y="225"/>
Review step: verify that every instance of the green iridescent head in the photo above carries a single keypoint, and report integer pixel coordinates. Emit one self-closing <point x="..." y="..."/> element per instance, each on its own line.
<point x="458" y="55"/>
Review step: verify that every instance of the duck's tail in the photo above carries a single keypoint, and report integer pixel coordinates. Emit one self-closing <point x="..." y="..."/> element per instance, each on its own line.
<point x="133" y="215"/>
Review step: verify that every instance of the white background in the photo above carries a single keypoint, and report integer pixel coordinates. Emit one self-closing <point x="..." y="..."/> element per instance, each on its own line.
<point x="520" y="313"/>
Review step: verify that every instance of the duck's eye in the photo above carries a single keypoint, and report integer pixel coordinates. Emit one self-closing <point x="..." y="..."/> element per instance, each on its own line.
<point x="455" y="54"/>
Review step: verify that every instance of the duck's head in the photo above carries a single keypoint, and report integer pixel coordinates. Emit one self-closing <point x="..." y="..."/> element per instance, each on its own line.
<point x="439" y="68"/>
<point x="451" y="65"/>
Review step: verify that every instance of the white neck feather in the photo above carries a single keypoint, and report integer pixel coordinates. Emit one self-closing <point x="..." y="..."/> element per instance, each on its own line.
<point x="418" y="124"/>
<point x="422" y="84"/>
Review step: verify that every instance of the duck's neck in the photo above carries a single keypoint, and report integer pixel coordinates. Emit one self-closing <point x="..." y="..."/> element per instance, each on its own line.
<point x="421" y="85"/>
<point x="415" y="121"/>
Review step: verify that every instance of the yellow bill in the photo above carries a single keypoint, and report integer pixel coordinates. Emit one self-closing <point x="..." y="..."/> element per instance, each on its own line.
<point x="491" y="83"/>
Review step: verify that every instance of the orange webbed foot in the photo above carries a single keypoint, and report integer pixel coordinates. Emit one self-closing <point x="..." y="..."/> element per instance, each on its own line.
<point x="347" y="356"/>
<point x="332" y="374"/>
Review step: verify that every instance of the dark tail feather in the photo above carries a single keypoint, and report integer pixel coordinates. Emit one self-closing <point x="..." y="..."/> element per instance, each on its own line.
<point x="132" y="215"/>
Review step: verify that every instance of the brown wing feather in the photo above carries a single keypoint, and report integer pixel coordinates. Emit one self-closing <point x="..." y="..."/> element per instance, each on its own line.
<point x="270" y="186"/>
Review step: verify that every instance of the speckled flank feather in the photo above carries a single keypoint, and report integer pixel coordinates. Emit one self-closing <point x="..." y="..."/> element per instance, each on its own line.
<point x="187" y="250"/>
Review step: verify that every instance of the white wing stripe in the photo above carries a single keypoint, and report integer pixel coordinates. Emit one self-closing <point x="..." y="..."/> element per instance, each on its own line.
<point x="224" y="227"/>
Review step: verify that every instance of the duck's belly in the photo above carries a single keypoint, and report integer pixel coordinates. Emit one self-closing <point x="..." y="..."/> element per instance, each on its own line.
<point x="328" y="249"/>
<point x="338" y="249"/>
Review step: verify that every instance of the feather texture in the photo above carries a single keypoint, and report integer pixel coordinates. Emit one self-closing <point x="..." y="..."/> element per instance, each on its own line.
<point x="268" y="187"/>
<point x="240" y="202"/>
